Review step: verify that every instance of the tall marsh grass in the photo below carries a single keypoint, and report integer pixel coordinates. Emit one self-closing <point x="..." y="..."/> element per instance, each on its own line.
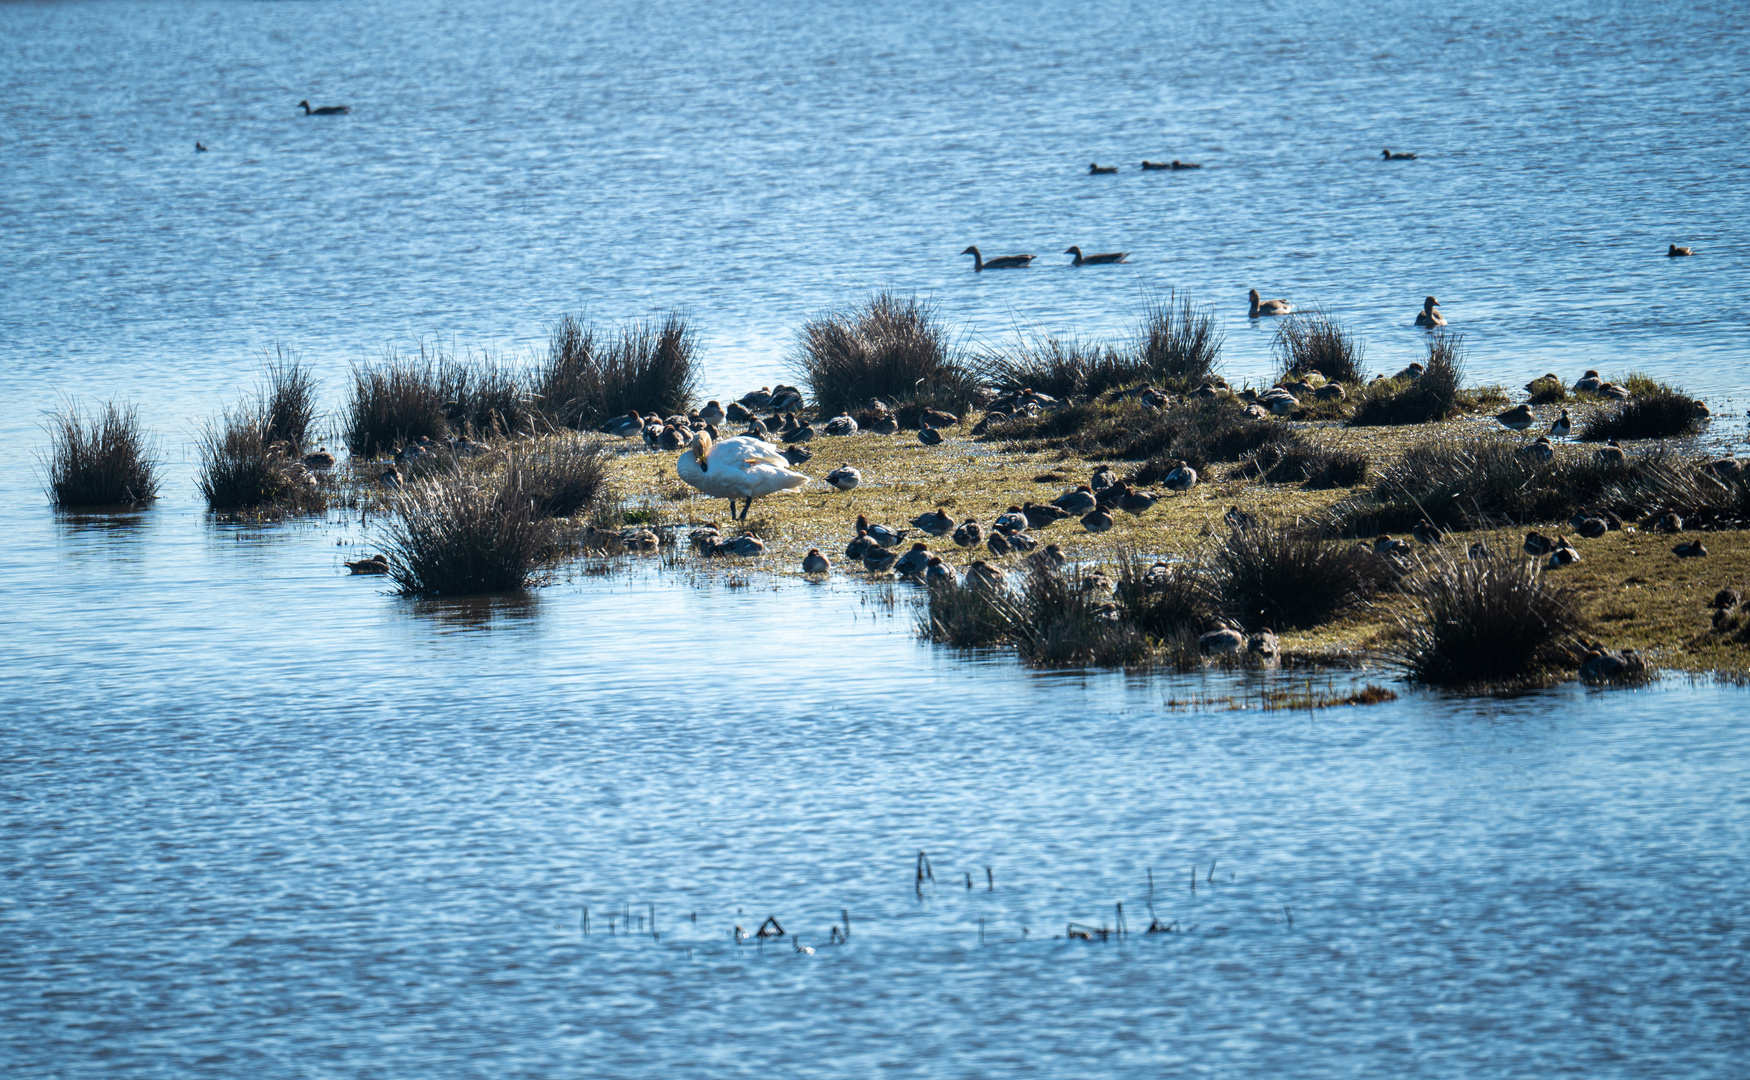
<point x="99" y="460"/>
<point x="395" y="401"/>
<point x="242" y="468"/>
<point x="1292" y="579"/>
<point x="1178" y="343"/>
<point x="1434" y="396"/>
<point x="891" y="347"/>
<point x="590" y="375"/>
<point x="288" y="398"/>
<point x="1494" y="622"/>
<point x="460" y="534"/>
<point x="1313" y="340"/>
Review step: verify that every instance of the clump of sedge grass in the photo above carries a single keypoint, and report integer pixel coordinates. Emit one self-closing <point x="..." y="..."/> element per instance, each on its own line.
<point x="1434" y="396"/>
<point x="1313" y="467"/>
<point x="1066" y="620"/>
<point x="1488" y="623"/>
<point x="484" y="398"/>
<point x="966" y="617"/>
<point x="99" y="460"/>
<point x="1461" y="482"/>
<point x="1166" y="602"/>
<point x="565" y="475"/>
<point x="460" y="534"/>
<point x="241" y="468"/>
<point x="288" y="402"/>
<point x="890" y="347"/>
<point x="1662" y="414"/>
<point x="1313" y="340"/>
<point x="1062" y="368"/>
<point x="1178" y="344"/>
<point x="1293" y="579"/>
<point x="395" y="401"/>
<point x="591" y="376"/>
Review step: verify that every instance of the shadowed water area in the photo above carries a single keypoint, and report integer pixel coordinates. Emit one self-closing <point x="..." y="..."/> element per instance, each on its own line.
<point x="260" y="817"/>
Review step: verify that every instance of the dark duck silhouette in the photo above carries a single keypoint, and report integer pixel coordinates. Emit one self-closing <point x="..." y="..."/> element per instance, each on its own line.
<point x="1001" y="262"/>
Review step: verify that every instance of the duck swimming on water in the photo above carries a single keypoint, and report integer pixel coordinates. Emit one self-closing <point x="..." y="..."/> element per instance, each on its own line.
<point x="1095" y="260"/>
<point x="1001" y="262"/>
<point x="326" y="110"/>
<point x="1102" y="170"/>
<point x="1387" y="155"/>
<point x="1268" y="307"/>
<point x="1428" y="318"/>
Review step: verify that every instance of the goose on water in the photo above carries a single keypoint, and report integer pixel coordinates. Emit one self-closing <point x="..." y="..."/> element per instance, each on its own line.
<point x="738" y="468"/>
<point x="326" y="110"/>
<point x="1095" y="260"/>
<point x="1001" y="262"/>
<point x="1428" y="318"/>
<point x="1268" y="307"/>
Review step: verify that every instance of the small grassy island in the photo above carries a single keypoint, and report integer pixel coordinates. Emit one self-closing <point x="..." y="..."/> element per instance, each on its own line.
<point x="1471" y="538"/>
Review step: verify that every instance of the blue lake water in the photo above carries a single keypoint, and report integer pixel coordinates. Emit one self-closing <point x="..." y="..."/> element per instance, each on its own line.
<point x="259" y="816"/>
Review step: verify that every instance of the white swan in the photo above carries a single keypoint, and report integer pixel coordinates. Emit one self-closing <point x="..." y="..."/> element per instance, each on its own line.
<point x="738" y="468"/>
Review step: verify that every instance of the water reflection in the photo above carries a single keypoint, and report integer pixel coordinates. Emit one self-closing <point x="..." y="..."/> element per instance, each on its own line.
<point x="470" y="614"/>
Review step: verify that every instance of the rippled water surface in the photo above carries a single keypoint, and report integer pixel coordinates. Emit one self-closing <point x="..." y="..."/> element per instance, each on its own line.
<point x="260" y="818"/>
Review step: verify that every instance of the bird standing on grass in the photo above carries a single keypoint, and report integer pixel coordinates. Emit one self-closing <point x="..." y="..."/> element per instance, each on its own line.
<point x="738" y="468"/>
<point x="1518" y="418"/>
<point x="844" y="478"/>
<point x="1562" y="426"/>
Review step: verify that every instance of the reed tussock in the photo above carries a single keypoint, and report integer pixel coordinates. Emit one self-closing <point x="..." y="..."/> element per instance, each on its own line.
<point x="460" y="534"/>
<point x="1315" y="468"/>
<point x="241" y="468"/>
<point x="288" y="402"/>
<point x="1166" y="601"/>
<point x="1491" y="623"/>
<point x="1065" y="369"/>
<point x="1435" y="396"/>
<point x="566" y="476"/>
<point x="1052" y="620"/>
<point x="1178" y="343"/>
<point x="890" y="347"/>
<point x="591" y="376"/>
<point x="1294" y="579"/>
<point x="395" y="401"/>
<point x="484" y="398"/>
<point x="99" y="460"/>
<point x="1462" y="482"/>
<point x="1196" y="431"/>
<point x="1313" y="340"/>
<point x="1662" y="414"/>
